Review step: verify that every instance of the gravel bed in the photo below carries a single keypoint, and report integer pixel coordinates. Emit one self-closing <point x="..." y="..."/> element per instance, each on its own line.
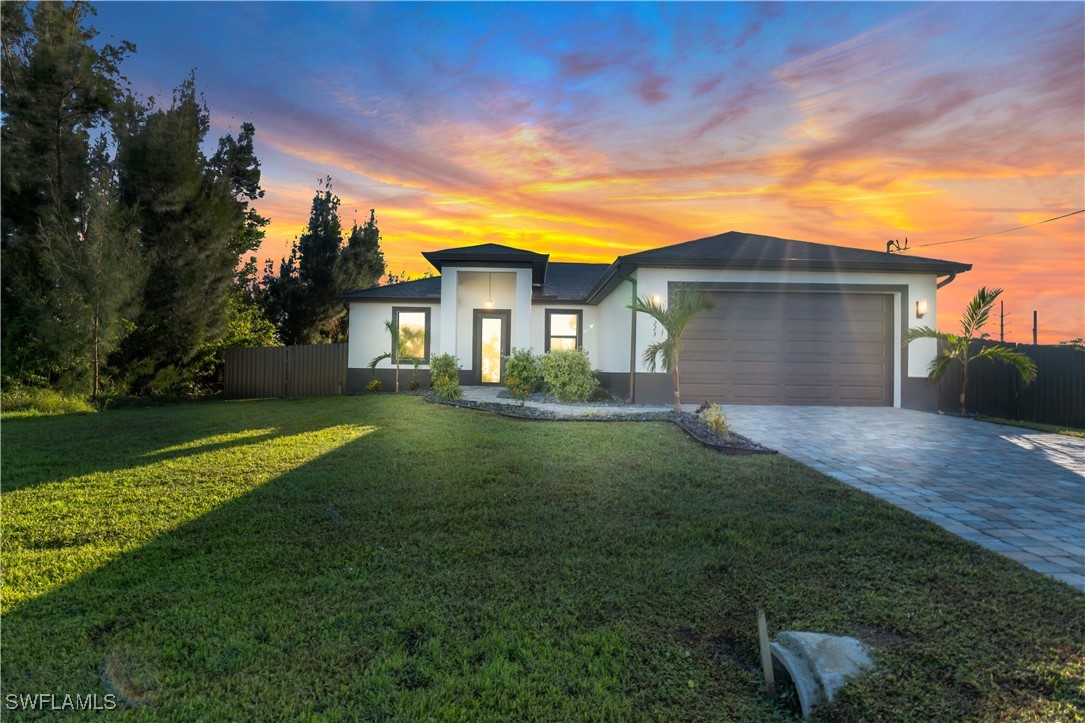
<point x="691" y="424"/>
<point x="545" y="398"/>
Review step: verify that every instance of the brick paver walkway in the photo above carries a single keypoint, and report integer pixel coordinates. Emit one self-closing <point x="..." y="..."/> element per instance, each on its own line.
<point x="1014" y="491"/>
<point x="498" y="395"/>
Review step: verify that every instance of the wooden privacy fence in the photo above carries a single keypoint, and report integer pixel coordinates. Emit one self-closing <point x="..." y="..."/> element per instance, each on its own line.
<point x="995" y="389"/>
<point x="313" y="370"/>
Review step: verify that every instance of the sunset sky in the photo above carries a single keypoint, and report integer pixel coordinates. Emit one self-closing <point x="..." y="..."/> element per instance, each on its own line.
<point x="589" y="131"/>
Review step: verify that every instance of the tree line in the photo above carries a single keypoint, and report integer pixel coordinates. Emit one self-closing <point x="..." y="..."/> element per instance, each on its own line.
<point x="127" y="241"/>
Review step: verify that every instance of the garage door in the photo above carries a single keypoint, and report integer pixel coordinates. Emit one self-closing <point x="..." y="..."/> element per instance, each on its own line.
<point x="791" y="348"/>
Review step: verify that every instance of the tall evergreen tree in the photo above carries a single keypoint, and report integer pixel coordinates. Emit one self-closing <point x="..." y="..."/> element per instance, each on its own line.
<point x="96" y="276"/>
<point x="302" y="297"/>
<point x="361" y="264"/>
<point x="285" y="300"/>
<point x="318" y="247"/>
<point x="56" y="92"/>
<point x="195" y="222"/>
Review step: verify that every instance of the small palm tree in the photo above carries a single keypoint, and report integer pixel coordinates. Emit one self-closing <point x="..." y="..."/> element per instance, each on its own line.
<point x="956" y="345"/>
<point x="403" y="341"/>
<point x="686" y="303"/>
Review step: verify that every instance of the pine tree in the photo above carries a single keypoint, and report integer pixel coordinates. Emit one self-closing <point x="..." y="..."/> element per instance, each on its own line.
<point x="285" y="301"/>
<point x="361" y="264"/>
<point x="96" y="276"/>
<point x="302" y="298"/>
<point x="57" y="89"/>
<point x="195" y="222"/>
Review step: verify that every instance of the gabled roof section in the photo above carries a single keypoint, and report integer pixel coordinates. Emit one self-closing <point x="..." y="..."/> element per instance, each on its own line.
<point x="491" y="255"/>
<point x="737" y="250"/>
<point x="568" y="283"/>
<point x="565" y="284"/>
<point x="427" y="289"/>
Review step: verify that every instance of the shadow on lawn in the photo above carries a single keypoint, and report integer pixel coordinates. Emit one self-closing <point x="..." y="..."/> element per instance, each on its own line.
<point x="252" y="583"/>
<point x="40" y="450"/>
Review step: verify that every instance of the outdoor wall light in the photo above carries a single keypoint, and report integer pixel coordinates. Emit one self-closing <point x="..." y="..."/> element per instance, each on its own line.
<point x="920" y="308"/>
<point x="655" y="299"/>
<point x="490" y="293"/>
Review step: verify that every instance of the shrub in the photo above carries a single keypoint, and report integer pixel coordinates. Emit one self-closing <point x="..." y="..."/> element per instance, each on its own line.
<point x="568" y="375"/>
<point x="714" y="417"/>
<point x="523" y="373"/>
<point x="445" y="377"/>
<point x="414" y="385"/>
<point x="374" y="385"/>
<point x="448" y="392"/>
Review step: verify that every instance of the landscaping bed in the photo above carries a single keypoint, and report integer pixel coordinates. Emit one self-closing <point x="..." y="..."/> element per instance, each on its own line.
<point x="729" y="442"/>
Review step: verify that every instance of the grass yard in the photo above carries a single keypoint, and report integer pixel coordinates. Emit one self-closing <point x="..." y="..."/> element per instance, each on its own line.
<point x="380" y="557"/>
<point x="1038" y="426"/>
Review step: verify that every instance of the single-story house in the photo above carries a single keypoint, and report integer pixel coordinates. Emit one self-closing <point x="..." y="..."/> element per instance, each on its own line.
<point x="793" y="323"/>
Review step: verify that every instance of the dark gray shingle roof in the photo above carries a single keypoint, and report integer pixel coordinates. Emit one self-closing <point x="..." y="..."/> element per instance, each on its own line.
<point x="735" y="249"/>
<point x="569" y="282"/>
<point x="587" y="283"/>
<point x="490" y="254"/>
<point x="417" y="290"/>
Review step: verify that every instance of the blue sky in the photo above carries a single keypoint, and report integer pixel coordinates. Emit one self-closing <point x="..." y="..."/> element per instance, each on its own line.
<point x="590" y="130"/>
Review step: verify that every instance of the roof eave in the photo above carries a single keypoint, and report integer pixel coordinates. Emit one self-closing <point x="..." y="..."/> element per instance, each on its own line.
<point x="606" y="283"/>
<point x="386" y="299"/>
<point x="924" y="267"/>
<point x="537" y="264"/>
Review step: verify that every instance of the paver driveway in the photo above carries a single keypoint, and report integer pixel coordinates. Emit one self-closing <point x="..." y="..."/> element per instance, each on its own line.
<point x="1014" y="491"/>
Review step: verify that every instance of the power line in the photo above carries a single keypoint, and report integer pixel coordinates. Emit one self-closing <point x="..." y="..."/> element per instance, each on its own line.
<point x="996" y="233"/>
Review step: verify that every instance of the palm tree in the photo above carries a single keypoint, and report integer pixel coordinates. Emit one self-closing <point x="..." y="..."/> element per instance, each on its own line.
<point x="685" y="304"/>
<point x="955" y="347"/>
<point x="403" y="341"/>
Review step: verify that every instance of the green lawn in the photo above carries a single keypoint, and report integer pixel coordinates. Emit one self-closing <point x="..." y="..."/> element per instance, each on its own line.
<point x="380" y="557"/>
<point x="1038" y="426"/>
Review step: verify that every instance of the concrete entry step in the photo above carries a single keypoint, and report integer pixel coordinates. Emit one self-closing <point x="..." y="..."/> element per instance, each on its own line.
<point x="818" y="664"/>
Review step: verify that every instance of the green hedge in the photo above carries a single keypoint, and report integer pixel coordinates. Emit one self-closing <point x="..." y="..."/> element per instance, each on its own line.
<point x="568" y="375"/>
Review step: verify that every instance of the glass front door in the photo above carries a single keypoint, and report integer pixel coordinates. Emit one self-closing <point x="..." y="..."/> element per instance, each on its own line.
<point x="491" y="345"/>
<point x="491" y="351"/>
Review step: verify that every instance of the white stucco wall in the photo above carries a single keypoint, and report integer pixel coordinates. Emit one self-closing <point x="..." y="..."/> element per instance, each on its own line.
<point x="590" y="334"/>
<point x="473" y="288"/>
<point x="368" y="338"/>
<point x="606" y="332"/>
<point x="614" y="326"/>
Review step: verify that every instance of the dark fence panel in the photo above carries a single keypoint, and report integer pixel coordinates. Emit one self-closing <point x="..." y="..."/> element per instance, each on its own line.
<point x="995" y="389"/>
<point x="285" y="371"/>
<point x="316" y="370"/>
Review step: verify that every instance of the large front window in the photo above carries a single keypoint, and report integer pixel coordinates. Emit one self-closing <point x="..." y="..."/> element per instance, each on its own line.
<point x="563" y="329"/>
<point x="412" y="326"/>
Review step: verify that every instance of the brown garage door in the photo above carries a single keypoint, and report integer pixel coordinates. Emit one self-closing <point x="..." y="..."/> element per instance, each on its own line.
<point x="791" y="348"/>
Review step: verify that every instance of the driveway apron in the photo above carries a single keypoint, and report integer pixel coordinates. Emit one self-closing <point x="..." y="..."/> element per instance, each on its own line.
<point x="1014" y="491"/>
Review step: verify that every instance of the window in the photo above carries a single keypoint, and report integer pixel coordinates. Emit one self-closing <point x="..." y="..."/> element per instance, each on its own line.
<point x="563" y="329"/>
<point x="413" y="327"/>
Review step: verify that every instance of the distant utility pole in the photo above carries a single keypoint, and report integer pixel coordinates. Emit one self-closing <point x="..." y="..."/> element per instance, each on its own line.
<point x="1034" y="325"/>
<point x="1002" y="323"/>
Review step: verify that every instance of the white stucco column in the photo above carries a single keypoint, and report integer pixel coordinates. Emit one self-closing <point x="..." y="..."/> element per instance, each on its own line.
<point x="520" y="337"/>
<point x="449" y="285"/>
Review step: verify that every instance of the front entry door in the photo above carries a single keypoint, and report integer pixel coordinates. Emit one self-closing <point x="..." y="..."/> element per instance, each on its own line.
<point x="491" y="345"/>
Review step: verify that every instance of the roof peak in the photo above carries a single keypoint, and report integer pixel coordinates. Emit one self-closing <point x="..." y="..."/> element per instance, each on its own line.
<point x="486" y="248"/>
<point x="737" y="246"/>
<point x="490" y="254"/>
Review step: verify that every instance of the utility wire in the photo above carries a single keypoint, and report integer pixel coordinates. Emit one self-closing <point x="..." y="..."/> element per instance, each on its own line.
<point x="996" y="233"/>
